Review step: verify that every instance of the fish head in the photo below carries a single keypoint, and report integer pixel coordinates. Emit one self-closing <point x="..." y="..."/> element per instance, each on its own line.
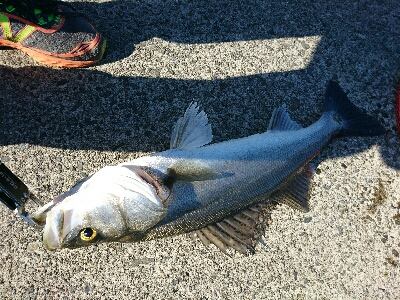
<point x="114" y="204"/>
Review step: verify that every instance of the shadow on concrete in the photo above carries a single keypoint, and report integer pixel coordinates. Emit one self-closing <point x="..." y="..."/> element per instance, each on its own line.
<point x="88" y="109"/>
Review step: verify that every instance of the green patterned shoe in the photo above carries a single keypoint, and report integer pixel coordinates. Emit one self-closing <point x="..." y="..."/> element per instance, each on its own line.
<point x="50" y="32"/>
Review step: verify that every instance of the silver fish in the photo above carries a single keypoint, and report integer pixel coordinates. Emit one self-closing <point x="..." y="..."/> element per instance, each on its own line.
<point x="215" y="190"/>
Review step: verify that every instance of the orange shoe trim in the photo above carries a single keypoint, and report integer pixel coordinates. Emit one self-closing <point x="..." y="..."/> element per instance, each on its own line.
<point x="45" y="57"/>
<point x="37" y="27"/>
<point x="79" y="50"/>
<point x="52" y="60"/>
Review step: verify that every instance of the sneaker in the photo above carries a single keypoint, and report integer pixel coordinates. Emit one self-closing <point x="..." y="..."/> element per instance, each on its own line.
<point x="50" y="32"/>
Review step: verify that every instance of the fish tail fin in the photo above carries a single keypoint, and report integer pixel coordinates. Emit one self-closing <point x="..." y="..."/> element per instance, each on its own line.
<point x="354" y="121"/>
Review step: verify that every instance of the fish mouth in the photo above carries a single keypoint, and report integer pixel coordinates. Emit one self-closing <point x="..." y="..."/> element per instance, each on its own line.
<point x="39" y="216"/>
<point x="59" y="224"/>
<point x="52" y="234"/>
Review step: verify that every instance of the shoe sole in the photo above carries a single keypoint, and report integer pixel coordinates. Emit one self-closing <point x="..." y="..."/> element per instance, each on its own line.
<point x="54" y="61"/>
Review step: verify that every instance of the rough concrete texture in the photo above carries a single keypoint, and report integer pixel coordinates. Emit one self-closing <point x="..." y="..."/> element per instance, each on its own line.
<point x="239" y="60"/>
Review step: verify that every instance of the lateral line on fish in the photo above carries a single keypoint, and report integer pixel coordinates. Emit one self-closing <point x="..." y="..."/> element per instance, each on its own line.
<point x="214" y="184"/>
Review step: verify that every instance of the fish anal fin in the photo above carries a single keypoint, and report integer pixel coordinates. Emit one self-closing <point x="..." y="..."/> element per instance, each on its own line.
<point x="192" y="130"/>
<point x="296" y="194"/>
<point x="240" y="232"/>
<point x="215" y="239"/>
<point x="281" y="121"/>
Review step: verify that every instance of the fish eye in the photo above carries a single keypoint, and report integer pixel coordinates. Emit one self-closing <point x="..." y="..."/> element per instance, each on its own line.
<point x="88" y="234"/>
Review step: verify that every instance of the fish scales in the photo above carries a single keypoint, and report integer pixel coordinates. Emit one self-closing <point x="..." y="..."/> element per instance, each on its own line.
<point x="278" y="152"/>
<point x="195" y="187"/>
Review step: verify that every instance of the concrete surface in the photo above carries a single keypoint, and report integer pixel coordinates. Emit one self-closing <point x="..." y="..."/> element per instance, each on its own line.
<point x="239" y="60"/>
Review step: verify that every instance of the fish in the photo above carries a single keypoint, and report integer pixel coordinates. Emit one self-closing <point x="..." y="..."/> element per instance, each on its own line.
<point x="219" y="192"/>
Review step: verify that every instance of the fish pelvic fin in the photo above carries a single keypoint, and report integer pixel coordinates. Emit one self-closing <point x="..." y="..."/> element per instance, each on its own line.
<point x="192" y="130"/>
<point x="354" y="121"/>
<point x="240" y="232"/>
<point x="296" y="194"/>
<point x="281" y="121"/>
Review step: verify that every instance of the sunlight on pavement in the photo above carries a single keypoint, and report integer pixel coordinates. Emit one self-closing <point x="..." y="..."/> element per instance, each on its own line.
<point x="157" y="58"/>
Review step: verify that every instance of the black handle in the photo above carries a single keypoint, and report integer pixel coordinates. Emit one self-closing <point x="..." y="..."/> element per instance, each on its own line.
<point x="13" y="192"/>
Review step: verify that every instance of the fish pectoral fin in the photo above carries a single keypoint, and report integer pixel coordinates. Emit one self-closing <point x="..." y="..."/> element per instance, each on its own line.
<point x="296" y="195"/>
<point x="281" y="121"/>
<point x="192" y="130"/>
<point x="191" y="170"/>
<point x="240" y="232"/>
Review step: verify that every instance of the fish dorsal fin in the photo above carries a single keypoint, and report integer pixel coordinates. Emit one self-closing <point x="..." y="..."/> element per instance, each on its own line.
<point x="296" y="194"/>
<point x="192" y="130"/>
<point x="240" y="232"/>
<point x="281" y="121"/>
